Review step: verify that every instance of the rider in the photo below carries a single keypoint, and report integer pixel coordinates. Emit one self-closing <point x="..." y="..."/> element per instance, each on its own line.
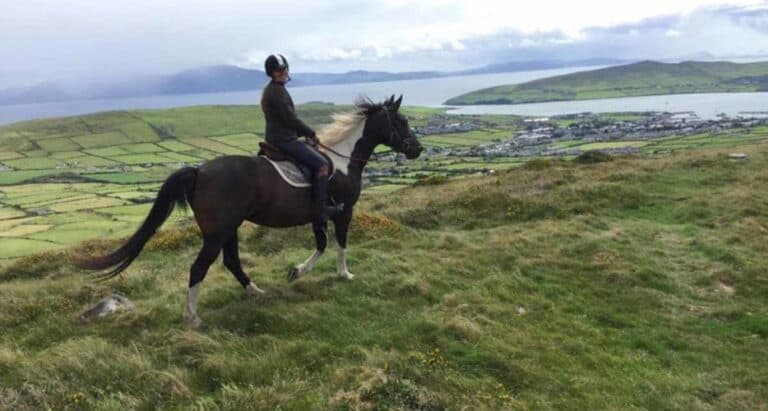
<point x="283" y="127"/>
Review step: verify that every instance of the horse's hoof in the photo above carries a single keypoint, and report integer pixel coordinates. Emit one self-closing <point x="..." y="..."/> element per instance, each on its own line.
<point x="193" y="323"/>
<point x="293" y="274"/>
<point x="346" y="275"/>
<point x="253" y="289"/>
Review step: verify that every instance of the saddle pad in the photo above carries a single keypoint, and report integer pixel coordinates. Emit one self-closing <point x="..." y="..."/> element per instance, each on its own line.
<point x="290" y="173"/>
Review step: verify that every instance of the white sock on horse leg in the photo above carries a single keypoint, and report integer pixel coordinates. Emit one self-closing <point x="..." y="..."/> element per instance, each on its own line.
<point x="341" y="261"/>
<point x="310" y="262"/>
<point x="192" y="297"/>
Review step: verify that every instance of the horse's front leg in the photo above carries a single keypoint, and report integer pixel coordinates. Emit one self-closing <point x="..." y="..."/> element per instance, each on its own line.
<point x="342" y="225"/>
<point x="321" y="242"/>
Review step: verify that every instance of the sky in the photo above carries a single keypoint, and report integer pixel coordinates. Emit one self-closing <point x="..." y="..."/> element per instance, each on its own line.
<point x="97" y="40"/>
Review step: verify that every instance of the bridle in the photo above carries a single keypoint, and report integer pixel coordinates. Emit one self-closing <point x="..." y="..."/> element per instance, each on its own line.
<point x="396" y="141"/>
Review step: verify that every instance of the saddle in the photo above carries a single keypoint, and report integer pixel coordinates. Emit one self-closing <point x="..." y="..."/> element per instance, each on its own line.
<point x="291" y="170"/>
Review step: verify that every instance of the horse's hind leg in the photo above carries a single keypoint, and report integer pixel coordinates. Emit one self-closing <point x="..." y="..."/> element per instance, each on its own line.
<point x="232" y="262"/>
<point x="206" y="257"/>
<point x="321" y="241"/>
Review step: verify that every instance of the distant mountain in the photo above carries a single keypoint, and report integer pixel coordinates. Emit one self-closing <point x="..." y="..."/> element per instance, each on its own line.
<point x="215" y="79"/>
<point x="540" y="65"/>
<point x="33" y="94"/>
<point x="638" y="79"/>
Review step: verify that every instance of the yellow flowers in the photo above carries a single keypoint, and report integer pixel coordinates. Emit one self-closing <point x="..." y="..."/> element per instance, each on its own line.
<point x="432" y="359"/>
<point x="365" y="223"/>
<point x="77" y="398"/>
<point x="171" y="239"/>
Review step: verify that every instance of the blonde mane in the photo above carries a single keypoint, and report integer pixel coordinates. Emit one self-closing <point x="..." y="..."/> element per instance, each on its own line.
<point x="344" y="126"/>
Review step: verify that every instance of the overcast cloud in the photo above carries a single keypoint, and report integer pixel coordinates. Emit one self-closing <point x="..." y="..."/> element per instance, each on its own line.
<point x="51" y="40"/>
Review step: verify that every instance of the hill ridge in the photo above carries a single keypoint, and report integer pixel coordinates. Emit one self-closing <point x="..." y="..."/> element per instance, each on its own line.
<point x="646" y="77"/>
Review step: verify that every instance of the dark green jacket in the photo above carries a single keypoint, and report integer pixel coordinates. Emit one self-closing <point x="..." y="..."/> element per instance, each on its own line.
<point x="280" y="115"/>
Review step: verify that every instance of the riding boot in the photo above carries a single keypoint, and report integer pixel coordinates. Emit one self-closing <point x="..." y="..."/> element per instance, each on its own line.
<point x="321" y="209"/>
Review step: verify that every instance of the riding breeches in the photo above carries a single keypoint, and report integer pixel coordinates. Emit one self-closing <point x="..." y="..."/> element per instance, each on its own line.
<point x="302" y="152"/>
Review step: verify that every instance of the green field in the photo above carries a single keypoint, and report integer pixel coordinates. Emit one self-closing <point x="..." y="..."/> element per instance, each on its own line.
<point x="469" y="138"/>
<point x="637" y="79"/>
<point x="612" y="144"/>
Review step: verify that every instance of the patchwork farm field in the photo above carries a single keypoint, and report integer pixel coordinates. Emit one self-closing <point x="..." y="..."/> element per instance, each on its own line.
<point x="66" y="180"/>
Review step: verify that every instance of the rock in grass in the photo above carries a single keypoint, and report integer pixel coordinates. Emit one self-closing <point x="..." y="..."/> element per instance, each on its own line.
<point x="106" y="306"/>
<point x="737" y="156"/>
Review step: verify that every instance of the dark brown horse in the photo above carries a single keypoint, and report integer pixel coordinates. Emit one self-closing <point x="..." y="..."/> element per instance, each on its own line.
<point x="227" y="190"/>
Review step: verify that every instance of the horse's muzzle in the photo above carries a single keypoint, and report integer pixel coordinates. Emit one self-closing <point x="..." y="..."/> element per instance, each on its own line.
<point x="414" y="152"/>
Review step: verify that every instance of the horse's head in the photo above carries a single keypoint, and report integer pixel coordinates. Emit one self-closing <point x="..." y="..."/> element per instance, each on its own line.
<point x="391" y="128"/>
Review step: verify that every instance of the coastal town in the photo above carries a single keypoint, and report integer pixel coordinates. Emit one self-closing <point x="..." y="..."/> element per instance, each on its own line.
<point x="545" y="136"/>
<point x="557" y="137"/>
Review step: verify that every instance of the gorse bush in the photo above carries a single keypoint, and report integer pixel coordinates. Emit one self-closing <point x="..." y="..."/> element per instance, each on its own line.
<point x="34" y="266"/>
<point x="592" y="157"/>
<point x="433" y="180"/>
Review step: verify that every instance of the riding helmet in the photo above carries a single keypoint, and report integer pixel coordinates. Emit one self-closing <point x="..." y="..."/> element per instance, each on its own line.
<point x="275" y="62"/>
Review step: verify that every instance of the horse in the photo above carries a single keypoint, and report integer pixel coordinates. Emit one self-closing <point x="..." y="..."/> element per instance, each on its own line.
<point x="228" y="190"/>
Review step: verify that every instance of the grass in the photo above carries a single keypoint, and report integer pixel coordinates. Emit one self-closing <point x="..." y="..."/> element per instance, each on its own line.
<point x="630" y="284"/>
<point x="9" y="213"/>
<point x="73" y="220"/>
<point x="215" y="146"/>
<point x="467" y="139"/>
<point x="175" y="146"/>
<point x="16" y="177"/>
<point x="32" y="163"/>
<point x="58" y="144"/>
<point x="17" y="247"/>
<point x="101" y="140"/>
<point x="89" y="161"/>
<point x="9" y="155"/>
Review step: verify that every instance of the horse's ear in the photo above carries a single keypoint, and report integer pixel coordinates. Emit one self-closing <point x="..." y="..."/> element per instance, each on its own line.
<point x="397" y="103"/>
<point x="389" y="101"/>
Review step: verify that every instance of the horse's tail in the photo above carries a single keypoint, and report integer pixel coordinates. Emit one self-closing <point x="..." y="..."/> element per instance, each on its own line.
<point x="178" y="189"/>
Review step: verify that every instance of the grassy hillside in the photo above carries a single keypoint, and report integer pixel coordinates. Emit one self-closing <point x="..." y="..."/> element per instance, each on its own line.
<point x="639" y="79"/>
<point x="637" y="283"/>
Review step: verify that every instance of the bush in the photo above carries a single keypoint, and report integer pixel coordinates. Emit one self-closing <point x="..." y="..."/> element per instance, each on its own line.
<point x="540" y="164"/>
<point x="592" y="157"/>
<point x="432" y="180"/>
<point x="34" y="266"/>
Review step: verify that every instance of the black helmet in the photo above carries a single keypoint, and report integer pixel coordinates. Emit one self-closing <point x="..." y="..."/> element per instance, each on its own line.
<point x="275" y="62"/>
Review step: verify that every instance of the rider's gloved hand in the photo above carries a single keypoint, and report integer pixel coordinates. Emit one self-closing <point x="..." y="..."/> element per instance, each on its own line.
<point x="312" y="139"/>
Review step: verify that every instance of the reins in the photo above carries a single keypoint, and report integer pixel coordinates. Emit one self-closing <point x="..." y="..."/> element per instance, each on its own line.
<point x="342" y="155"/>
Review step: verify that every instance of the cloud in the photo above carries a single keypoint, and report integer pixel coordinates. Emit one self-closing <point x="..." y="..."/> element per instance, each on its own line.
<point x="711" y="31"/>
<point x="101" y="40"/>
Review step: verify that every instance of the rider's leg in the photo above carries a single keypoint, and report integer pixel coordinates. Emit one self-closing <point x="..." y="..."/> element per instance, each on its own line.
<point x="320" y="170"/>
